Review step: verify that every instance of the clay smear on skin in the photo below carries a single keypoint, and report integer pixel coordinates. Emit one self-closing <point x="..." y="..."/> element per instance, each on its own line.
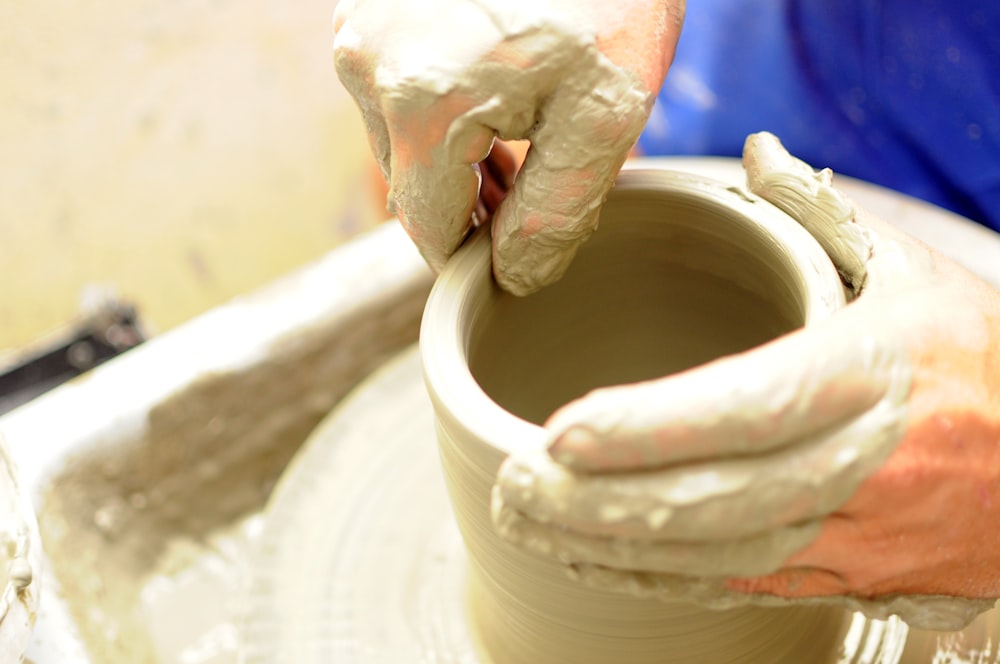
<point x="515" y="591"/>
<point x="737" y="498"/>
<point x="545" y="80"/>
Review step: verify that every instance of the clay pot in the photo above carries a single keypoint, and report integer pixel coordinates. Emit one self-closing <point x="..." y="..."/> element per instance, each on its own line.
<point x="682" y="270"/>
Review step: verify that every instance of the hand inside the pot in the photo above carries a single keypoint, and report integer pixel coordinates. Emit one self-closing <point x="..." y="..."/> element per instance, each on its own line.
<point x="858" y="457"/>
<point x="438" y="82"/>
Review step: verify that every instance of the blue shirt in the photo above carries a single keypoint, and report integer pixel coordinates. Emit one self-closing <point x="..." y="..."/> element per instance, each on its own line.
<point x="903" y="93"/>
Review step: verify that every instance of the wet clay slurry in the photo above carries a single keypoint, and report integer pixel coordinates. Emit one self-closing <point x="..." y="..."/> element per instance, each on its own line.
<point x="668" y="282"/>
<point x="523" y="69"/>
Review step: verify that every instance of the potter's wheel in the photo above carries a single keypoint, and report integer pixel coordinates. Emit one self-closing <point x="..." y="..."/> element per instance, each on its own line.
<point x="360" y="559"/>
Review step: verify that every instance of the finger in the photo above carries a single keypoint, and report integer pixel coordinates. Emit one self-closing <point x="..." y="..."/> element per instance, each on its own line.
<point x="793" y="582"/>
<point x="504" y="163"/>
<point x="755" y="555"/>
<point x="760" y="400"/>
<point x="707" y="592"/>
<point x="870" y="556"/>
<point x="496" y="180"/>
<point x="711" y="500"/>
<point x="498" y="171"/>
<point x="437" y="235"/>
<point x="650" y="584"/>
<point x="825" y="586"/>
<point x="356" y="73"/>
<point x="581" y="140"/>
<point x="341" y="13"/>
<point x="934" y="612"/>
<point x="869" y="253"/>
<point x="809" y="197"/>
<point x="433" y="180"/>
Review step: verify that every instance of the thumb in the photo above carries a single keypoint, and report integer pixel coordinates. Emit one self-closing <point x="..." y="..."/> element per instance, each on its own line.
<point x="808" y="196"/>
<point x="869" y="253"/>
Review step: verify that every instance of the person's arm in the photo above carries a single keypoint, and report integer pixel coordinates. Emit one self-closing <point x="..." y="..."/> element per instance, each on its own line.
<point x="438" y="81"/>
<point x="858" y="457"/>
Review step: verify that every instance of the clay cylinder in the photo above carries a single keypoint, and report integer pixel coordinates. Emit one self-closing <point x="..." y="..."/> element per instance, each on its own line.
<point x="682" y="270"/>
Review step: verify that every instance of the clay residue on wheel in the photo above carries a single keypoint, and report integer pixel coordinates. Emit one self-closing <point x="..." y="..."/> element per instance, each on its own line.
<point x="124" y="513"/>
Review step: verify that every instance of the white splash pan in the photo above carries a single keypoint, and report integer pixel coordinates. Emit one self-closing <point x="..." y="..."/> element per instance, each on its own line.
<point x="149" y="474"/>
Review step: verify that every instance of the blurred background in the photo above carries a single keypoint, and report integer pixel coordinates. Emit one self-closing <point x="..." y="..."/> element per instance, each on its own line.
<point x="172" y="153"/>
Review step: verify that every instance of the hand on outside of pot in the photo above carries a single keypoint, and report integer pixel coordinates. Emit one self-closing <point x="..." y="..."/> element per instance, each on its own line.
<point x="857" y="457"/>
<point x="438" y="82"/>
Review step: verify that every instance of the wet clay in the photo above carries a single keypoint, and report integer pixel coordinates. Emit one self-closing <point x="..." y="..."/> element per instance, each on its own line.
<point x="519" y="70"/>
<point x="129" y="521"/>
<point x="689" y="283"/>
<point x="20" y="562"/>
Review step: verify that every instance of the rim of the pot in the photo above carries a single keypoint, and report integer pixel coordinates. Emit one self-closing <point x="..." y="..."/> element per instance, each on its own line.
<point x="465" y="286"/>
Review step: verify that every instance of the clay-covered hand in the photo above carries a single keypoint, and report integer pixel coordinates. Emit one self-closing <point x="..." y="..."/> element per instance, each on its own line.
<point x="438" y="81"/>
<point x="857" y="458"/>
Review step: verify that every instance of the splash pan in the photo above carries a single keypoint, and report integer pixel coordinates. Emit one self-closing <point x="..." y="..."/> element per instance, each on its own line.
<point x="148" y="475"/>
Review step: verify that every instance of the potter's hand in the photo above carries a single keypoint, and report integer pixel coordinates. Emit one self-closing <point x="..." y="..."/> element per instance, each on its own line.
<point x="438" y="81"/>
<point x="857" y="457"/>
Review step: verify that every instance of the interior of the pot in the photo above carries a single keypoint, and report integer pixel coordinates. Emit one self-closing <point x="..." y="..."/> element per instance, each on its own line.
<point x="672" y="279"/>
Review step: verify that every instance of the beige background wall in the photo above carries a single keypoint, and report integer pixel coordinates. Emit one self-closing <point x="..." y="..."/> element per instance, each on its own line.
<point x="182" y="150"/>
